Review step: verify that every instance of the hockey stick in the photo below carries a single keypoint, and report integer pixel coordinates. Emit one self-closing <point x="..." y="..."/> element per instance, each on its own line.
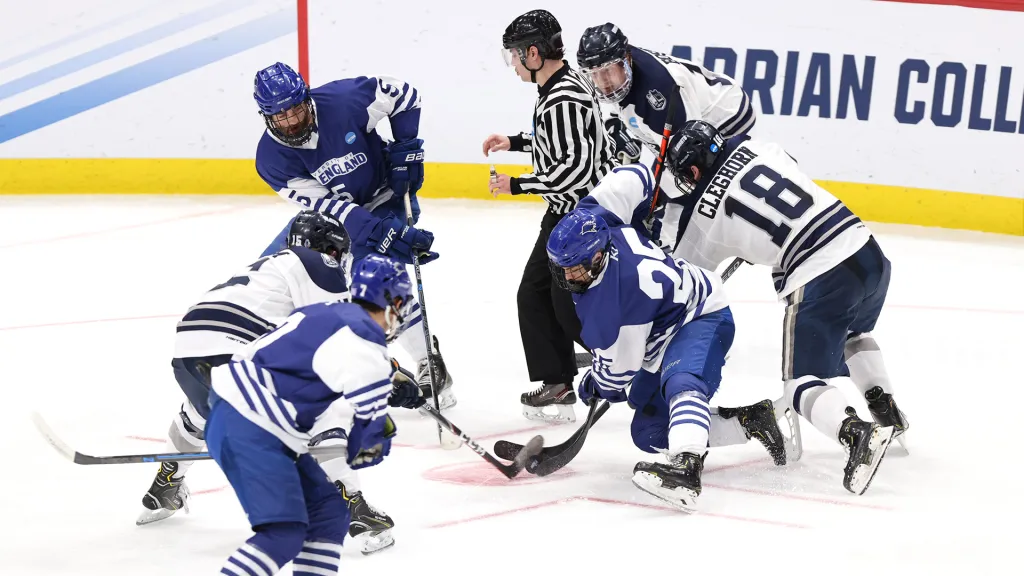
<point x="447" y="442"/>
<point x="526" y="456"/>
<point x="80" y="458"/>
<point x="659" y="164"/>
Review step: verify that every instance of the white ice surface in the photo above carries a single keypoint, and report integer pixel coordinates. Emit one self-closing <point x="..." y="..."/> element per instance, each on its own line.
<point x="91" y="289"/>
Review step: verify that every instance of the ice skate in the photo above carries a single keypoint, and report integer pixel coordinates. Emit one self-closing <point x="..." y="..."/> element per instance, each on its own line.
<point x="885" y="413"/>
<point x="445" y="396"/>
<point x="865" y="443"/>
<point x="166" y="496"/>
<point x="560" y="396"/>
<point x="759" y="421"/>
<point x="369" y="527"/>
<point x="677" y="483"/>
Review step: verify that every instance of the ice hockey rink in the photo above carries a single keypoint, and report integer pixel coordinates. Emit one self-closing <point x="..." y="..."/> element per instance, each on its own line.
<point x="93" y="287"/>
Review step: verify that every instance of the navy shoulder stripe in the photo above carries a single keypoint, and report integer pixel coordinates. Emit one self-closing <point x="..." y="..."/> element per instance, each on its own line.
<point x="323" y="270"/>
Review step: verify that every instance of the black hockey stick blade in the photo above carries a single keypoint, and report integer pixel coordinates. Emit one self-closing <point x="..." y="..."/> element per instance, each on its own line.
<point x="524" y="457"/>
<point x="508" y="450"/>
<point x="732" y="268"/>
<point x="80" y="458"/>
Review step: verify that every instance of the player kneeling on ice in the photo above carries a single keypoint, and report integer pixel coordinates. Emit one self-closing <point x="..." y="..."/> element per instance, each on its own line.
<point x="747" y="198"/>
<point x="313" y="269"/>
<point x="267" y="401"/>
<point x="663" y="326"/>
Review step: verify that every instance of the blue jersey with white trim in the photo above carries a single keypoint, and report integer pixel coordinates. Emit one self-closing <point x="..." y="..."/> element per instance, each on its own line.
<point x="287" y="381"/>
<point x="700" y="94"/>
<point x="637" y="303"/>
<point x="343" y="170"/>
<point x="754" y="203"/>
<point x="252" y="302"/>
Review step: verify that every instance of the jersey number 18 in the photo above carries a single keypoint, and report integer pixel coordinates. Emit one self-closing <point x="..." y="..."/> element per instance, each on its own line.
<point x="772" y="196"/>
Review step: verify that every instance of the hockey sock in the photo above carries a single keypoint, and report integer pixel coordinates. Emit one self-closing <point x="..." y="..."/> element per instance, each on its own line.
<point x="689" y="423"/>
<point x="867" y="369"/>
<point x="186" y="435"/>
<point x="273" y="546"/>
<point x="726" y="432"/>
<point x="411" y="339"/>
<point x="317" y="559"/>
<point x="821" y="404"/>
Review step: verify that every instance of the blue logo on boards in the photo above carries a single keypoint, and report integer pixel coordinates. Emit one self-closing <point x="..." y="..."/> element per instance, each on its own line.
<point x="350" y="137"/>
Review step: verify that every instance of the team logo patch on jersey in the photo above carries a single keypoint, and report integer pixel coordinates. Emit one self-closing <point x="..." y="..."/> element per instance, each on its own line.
<point x="339" y="166"/>
<point x="656" y="100"/>
<point x="350" y="137"/>
<point x="328" y="260"/>
<point x="633" y="122"/>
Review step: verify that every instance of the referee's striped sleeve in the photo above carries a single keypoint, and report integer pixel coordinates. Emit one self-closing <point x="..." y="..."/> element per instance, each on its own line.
<point x="571" y="128"/>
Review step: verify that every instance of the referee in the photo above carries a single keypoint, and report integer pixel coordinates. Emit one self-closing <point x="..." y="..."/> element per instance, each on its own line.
<point x="571" y="153"/>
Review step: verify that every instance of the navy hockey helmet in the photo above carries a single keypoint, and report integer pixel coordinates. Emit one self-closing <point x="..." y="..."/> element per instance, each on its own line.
<point x="573" y="248"/>
<point x="535" y="28"/>
<point x="380" y="281"/>
<point x="694" y="146"/>
<point x="603" y="56"/>
<point x="319" y="232"/>
<point x="285" y="104"/>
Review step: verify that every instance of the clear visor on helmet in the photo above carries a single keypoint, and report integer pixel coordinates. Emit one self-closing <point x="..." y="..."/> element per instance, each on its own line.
<point x="612" y="80"/>
<point x="509" y="55"/>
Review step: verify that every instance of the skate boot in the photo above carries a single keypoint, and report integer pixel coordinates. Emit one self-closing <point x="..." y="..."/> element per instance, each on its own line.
<point x="885" y="412"/>
<point x="865" y="443"/>
<point x="677" y="483"/>
<point x="369" y="527"/>
<point x="561" y="396"/>
<point x="445" y="397"/>
<point x="166" y="496"/>
<point x="758" y="421"/>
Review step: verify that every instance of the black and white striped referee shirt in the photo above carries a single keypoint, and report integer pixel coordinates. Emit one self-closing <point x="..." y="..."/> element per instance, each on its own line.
<point x="571" y="151"/>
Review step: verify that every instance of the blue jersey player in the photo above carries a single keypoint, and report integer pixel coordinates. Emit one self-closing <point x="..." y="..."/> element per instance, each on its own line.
<point x="266" y="403"/>
<point x="321" y="151"/>
<point x="661" y="328"/>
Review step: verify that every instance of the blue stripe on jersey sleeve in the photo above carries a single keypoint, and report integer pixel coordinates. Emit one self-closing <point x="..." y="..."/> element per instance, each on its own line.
<point x="648" y="191"/>
<point x="233" y="366"/>
<point x="323" y="270"/>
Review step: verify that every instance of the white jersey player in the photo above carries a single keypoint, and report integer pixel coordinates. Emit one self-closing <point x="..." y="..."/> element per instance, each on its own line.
<point x="313" y="269"/>
<point x="644" y="85"/>
<point x="749" y="199"/>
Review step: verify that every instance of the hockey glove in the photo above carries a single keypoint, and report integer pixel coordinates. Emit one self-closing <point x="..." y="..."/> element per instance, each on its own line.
<point x="589" y="388"/>
<point x="406" y="165"/>
<point x="627" y="150"/>
<point x="404" y="392"/>
<point x="369" y="441"/>
<point x="394" y="239"/>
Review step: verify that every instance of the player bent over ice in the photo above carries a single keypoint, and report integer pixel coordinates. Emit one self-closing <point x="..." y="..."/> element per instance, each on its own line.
<point x="268" y="399"/>
<point x="313" y="269"/>
<point x="665" y="327"/>
<point x="747" y="198"/>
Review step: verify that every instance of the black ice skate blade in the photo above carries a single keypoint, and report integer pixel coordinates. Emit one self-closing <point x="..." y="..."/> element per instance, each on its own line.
<point x="676" y="503"/>
<point x="553" y="458"/>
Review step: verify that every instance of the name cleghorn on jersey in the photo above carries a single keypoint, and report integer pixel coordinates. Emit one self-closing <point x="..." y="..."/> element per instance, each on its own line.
<point x="755" y="204"/>
<point x="251" y="303"/>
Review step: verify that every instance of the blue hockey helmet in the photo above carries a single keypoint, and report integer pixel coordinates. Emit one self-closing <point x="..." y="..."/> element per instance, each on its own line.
<point x="284" y="102"/>
<point x="573" y="248"/>
<point x="379" y="281"/>
<point x="692" y="151"/>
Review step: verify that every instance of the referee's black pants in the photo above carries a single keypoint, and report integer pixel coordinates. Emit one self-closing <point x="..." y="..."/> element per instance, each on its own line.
<point x="547" y="316"/>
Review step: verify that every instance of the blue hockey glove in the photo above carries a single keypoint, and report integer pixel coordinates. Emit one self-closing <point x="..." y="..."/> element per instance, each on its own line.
<point x="589" y="388"/>
<point x="394" y="239"/>
<point x="406" y="165"/>
<point x="369" y="442"/>
<point x="404" y="392"/>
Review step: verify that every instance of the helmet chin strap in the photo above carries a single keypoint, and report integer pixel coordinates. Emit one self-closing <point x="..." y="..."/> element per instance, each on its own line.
<point x="533" y="73"/>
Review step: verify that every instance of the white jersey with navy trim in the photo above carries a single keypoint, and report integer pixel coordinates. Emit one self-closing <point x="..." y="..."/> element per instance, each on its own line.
<point x="702" y="95"/>
<point x="252" y="302"/>
<point x="637" y="304"/>
<point x="754" y="204"/>
<point x="289" y="381"/>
